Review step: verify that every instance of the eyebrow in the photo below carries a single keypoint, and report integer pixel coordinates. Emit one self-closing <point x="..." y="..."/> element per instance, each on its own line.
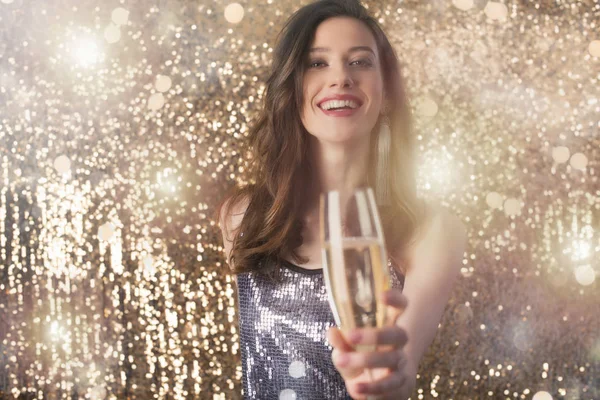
<point x="352" y="49"/>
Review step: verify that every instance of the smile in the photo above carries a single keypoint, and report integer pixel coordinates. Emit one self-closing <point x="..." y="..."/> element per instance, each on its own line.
<point x="337" y="108"/>
<point x="339" y="104"/>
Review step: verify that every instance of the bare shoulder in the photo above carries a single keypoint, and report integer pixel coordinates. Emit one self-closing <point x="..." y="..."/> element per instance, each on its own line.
<point x="232" y="214"/>
<point x="440" y="231"/>
<point x="230" y="219"/>
<point x="443" y="222"/>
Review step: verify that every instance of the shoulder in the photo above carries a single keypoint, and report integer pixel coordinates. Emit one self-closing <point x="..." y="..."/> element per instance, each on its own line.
<point x="232" y="211"/>
<point x="440" y="232"/>
<point x="442" y="222"/>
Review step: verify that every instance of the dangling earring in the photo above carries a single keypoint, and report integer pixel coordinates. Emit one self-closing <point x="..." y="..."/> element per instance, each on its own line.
<point x="384" y="139"/>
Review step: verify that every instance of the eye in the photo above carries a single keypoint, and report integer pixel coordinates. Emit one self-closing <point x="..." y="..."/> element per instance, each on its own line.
<point x="316" y="64"/>
<point x="363" y="62"/>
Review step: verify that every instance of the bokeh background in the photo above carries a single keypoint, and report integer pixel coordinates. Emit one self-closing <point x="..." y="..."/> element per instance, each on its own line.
<point x="122" y="123"/>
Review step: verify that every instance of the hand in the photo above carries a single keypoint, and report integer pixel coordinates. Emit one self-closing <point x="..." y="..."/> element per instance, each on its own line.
<point x="399" y="376"/>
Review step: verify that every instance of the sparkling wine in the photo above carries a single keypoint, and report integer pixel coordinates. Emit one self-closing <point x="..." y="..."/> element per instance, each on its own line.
<point x="355" y="281"/>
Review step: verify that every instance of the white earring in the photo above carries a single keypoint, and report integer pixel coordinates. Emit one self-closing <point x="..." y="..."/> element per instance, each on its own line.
<point x="384" y="139"/>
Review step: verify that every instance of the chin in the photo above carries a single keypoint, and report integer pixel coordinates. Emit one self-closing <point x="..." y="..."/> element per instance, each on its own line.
<point x="340" y="137"/>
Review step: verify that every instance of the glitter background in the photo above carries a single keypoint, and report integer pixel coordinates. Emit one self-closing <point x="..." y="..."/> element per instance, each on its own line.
<point x="122" y="124"/>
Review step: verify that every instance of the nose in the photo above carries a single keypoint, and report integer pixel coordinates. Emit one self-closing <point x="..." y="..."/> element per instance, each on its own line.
<point x="340" y="77"/>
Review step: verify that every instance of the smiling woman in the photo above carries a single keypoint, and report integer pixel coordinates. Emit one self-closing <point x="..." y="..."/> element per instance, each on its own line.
<point x="335" y="117"/>
<point x="343" y="84"/>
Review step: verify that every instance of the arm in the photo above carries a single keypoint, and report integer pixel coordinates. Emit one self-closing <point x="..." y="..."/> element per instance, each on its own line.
<point x="434" y="265"/>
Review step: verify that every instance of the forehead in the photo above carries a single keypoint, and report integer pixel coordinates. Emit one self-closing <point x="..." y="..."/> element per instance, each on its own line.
<point x="341" y="33"/>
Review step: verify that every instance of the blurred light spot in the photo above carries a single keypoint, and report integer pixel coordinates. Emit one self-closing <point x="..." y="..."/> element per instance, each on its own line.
<point x="148" y="263"/>
<point x="85" y="52"/>
<point x="496" y="11"/>
<point x="62" y="164"/>
<point x="163" y="83"/>
<point x="579" y="161"/>
<point x="594" y="48"/>
<point x="494" y="200"/>
<point x="437" y="171"/>
<point x="98" y="393"/>
<point x="106" y="231"/>
<point x="542" y="396"/>
<point x="512" y="207"/>
<point x="287" y="394"/>
<point x="463" y="4"/>
<point x="234" y="13"/>
<point x="120" y="16"/>
<point x="561" y="154"/>
<point x="585" y="275"/>
<point x="580" y="250"/>
<point x="112" y="33"/>
<point x="156" y="101"/>
<point x="297" y="369"/>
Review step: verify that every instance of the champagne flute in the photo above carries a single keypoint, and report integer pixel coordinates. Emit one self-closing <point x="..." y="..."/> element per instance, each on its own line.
<point x="354" y="260"/>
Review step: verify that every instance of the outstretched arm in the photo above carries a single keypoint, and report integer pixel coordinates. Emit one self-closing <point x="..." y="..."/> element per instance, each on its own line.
<point x="434" y="265"/>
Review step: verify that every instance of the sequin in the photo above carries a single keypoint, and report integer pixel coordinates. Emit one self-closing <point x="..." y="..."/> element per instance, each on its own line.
<point x="283" y="327"/>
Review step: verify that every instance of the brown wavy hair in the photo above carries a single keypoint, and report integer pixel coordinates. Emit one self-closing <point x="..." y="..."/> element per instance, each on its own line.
<point x="271" y="226"/>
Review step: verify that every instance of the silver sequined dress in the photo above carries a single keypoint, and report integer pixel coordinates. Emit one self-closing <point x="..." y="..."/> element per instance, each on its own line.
<point x="283" y="326"/>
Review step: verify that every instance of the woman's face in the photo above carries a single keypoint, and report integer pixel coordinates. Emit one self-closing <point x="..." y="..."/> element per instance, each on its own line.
<point x="342" y="65"/>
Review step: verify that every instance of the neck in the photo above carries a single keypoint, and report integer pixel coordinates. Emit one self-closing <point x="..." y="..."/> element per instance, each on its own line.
<point x="341" y="167"/>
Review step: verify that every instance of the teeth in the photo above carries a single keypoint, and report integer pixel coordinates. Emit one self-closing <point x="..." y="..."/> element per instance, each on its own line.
<point x="328" y="105"/>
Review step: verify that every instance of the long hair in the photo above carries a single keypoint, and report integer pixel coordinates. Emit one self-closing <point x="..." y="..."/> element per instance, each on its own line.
<point x="271" y="226"/>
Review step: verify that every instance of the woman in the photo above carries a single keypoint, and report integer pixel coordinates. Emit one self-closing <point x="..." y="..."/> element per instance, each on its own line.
<point x="335" y="117"/>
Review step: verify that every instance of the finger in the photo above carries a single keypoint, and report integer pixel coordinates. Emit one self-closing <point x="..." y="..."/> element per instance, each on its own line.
<point x="337" y="339"/>
<point x="388" y="335"/>
<point x="396" y="304"/>
<point x="341" y="349"/>
<point x="395" y="298"/>
<point x="372" y="359"/>
<point x="384" y="386"/>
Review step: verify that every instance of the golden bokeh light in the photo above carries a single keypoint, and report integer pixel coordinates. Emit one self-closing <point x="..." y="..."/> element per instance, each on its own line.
<point x="112" y="33"/>
<point x="496" y="11"/>
<point x="163" y="83"/>
<point x="156" y="101"/>
<point x="594" y="48"/>
<point x="123" y="124"/>
<point x="542" y="395"/>
<point x="561" y="154"/>
<point x="234" y="13"/>
<point x="585" y="275"/>
<point x="120" y="16"/>
<point x="494" y="200"/>
<point x="579" y="161"/>
<point x="512" y="207"/>
<point x="85" y="52"/>
<point x="62" y="164"/>
<point x="463" y="5"/>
